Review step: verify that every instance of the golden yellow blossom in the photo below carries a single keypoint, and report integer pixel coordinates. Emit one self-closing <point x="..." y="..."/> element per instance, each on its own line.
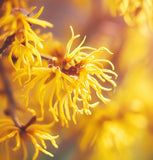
<point x="68" y="82"/>
<point x="112" y="128"/>
<point x="52" y="46"/>
<point x="134" y="11"/>
<point x="13" y="3"/>
<point x="134" y="39"/>
<point x="115" y="127"/>
<point x="17" y="23"/>
<point x="35" y="133"/>
<point x="64" y="84"/>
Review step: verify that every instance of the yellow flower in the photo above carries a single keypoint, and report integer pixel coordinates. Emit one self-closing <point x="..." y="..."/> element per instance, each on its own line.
<point x="52" y="46"/>
<point x="35" y="133"/>
<point x="22" y="56"/>
<point x="19" y="20"/>
<point x="14" y="3"/>
<point x="134" y="39"/>
<point x="134" y="11"/>
<point x="111" y="127"/>
<point x="115" y="127"/>
<point x="68" y="83"/>
<point x="18" y="23"/>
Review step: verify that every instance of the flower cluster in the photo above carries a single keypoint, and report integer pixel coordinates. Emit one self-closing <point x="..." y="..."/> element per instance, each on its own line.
<point x="26" y="133"/>
<point x="59" y="91"/>
<point x="135" y="12"/>
<point x="70" y="81"/>
<point x="16" y="23"/>
<point x="62" y="81"/>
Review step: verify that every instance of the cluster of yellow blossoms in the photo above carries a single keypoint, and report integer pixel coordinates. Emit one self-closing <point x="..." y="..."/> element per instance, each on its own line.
<point x="123" y="128"/>
<point x="138" y="12"/>
<point x="26" y="133"/>
<point x="70" y="80"/>
<point x="64" y="81"/>
<point x="54" y="93"/>
<point x="17" y="24"/>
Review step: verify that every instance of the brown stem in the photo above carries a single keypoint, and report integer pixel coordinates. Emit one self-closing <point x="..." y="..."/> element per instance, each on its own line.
<point x="9" y="94"/>
<point x="12" y="103"/>
<point x="31" y="121"/>
<point x="7" y="42"/>
<point x="1" y="3"/>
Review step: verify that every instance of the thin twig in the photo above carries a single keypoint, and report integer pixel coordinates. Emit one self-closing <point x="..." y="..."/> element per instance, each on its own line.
<point x="31" y="121"/>
<point x="1" y="3"/>
<point x="12" y="103"/>
<point x="9" y="94"/>
<point x="7" y="42"/>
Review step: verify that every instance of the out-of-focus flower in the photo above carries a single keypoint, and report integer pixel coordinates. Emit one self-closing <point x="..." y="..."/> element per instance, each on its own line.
<point x="112" y="130"/>
<point x="51" y="46"/>
<point x="86" y="5"/>
<point x="134" y="38"/>
<point x="35" y="133"/>
<point x="139" y="12"/>
<point x="13" y="3"/>
<point x="68" y="81"/>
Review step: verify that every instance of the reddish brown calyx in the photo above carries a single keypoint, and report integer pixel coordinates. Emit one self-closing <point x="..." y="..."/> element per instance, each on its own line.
<point x="71" y="71"/>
